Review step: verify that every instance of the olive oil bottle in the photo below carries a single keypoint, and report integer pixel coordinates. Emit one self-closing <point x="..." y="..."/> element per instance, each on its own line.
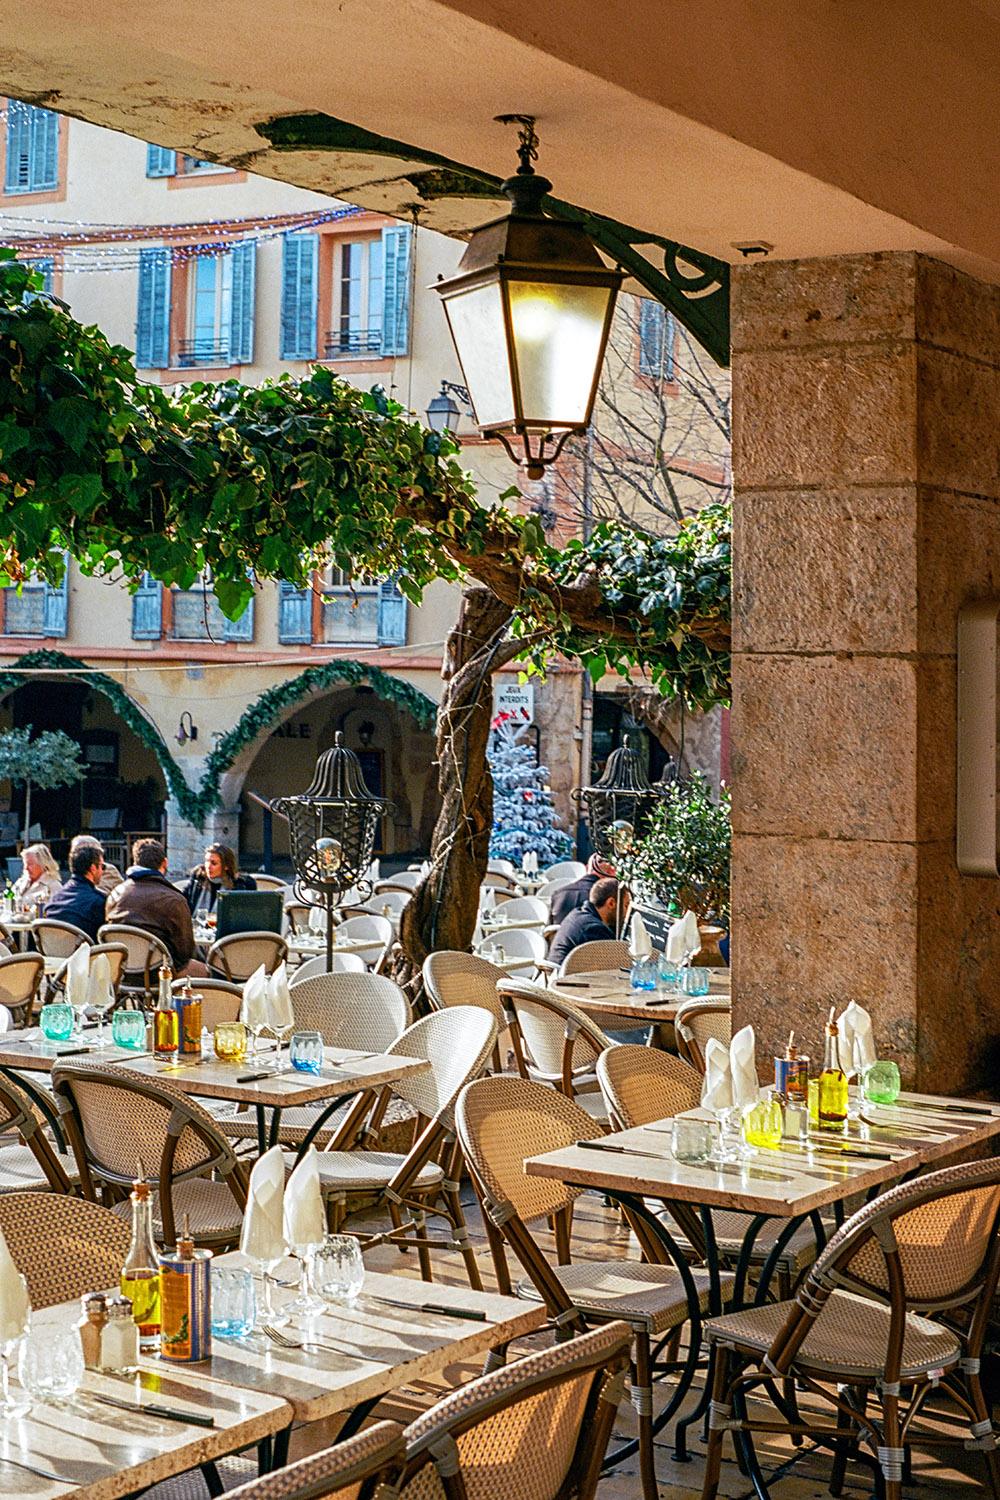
<point x="832" y="1081"/>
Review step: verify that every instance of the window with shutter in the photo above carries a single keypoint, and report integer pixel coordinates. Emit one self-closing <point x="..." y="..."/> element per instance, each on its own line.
<point x="160" y="162"/>
<point x="244" y="258"/>
<point x="57" y="604"/>
<point x="32" y="149"/>
<point x="152" y="339"/>
<point x="300" y="258"/>
<point x="46" y="269"/>
<point x="391" y="614"/>
<point x="147" y="610"/>
<point x="197" y="616"/>
<point x="656" y="340"/>
<point x="241" y="629"/>
<point x="358" y="300"/>
<point x="396" y="289"/>
<point x="294" y="615"/>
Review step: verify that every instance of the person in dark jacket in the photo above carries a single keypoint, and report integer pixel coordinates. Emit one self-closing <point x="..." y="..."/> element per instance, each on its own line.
<point x="218" y="873"/>
<point x="148" y="900"/>
<point x="79" y="901"/>
<point x="592" y="922"/>
<point x="578" y="891"/>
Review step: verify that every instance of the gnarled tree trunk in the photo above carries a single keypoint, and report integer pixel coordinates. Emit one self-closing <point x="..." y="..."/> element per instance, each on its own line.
<point x="443" y="910"/>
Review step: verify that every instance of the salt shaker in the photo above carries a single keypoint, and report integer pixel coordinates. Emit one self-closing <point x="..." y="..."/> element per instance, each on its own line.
<point x="91" y="1326"/>
<point x="119" y="1338"/>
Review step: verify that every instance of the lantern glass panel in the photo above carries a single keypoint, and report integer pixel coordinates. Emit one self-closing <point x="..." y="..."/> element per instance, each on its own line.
<point x="557" y="334"/>
<point x="475" y="316"/>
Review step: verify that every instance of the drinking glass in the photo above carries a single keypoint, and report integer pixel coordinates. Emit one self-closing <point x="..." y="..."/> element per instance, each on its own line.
<point x="306" y="1051"/>
<point x="643" y="973"/>
<point x="13" y="1406"/>
<point x="229" y="1041"/>
<point x="667" y="975"/>
<point x="234" y="1302"/>
<point x="100" y="1008"/>
<point x="880" y="1083"/>
<point x="307" y="1303"/>
<point x="56" y="1022"/>
<point x="730" y="1140"/>
<point x="694" y="981"/>
<point x="338" y="1270"/>
<point x="50" y="1363"/>
<point x="763" y="1123"/>
<point x="128" y="1030"/>
<point x="265" y="1311"/>
<point x="692" y="1140"/>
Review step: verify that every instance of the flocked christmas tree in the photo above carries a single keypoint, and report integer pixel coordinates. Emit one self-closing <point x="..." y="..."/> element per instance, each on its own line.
<point x="524" y="817"/>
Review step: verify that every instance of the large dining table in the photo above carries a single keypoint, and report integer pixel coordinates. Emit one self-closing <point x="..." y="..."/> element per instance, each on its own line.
<point x="262" y="1085"/>
<point x="254" y="1389"/>
<point x="794" y="1183"/>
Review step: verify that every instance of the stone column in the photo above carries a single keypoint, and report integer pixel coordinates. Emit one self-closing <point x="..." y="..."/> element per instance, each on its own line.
<point x="867" y="414"/>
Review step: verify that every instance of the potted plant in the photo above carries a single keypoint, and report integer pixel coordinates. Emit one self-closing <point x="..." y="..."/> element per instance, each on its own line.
<point x="683" y="862"/>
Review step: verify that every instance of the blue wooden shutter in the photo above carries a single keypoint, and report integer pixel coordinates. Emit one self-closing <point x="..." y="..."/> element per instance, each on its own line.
<point x="152" y="338"/>
<point x="244" y="260"/>
<point x="396" y="304"/>
<point x="17" y="176"/>
<point x="391" y="614"/>
<point x="57" y="604"/>
<point x="160" y="162"/>
<point x="147" y="610"/>
<point x="46" y="268"/>
<point x="294" y="615"/>
<point x="300" y="259"/>
<point x="44" y="150"/>
<point x="241" y="629"/>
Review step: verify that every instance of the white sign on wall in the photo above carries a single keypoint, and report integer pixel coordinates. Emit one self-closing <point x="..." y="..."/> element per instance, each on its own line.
<point x="515" y="699"/>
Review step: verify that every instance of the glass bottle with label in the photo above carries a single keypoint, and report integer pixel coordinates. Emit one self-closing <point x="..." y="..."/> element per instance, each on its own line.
<point x="189" y="1022"/>
<point x="165" y="1028"/>
<point x="832" y="1082"/>
<point x="140" y="1281"/>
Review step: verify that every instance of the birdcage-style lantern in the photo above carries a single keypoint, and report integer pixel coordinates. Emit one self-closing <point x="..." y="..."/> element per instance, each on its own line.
<point x="620" y="805"/>
<point x="332" y="827"/>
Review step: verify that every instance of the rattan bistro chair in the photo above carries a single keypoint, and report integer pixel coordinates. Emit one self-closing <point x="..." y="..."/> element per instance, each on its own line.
<point x="456" y="978"/>
<point x="112" y="1116"/>
<point x="603" y="954"/>
<point x="362" y="1468"/>
<point x="29" y="1162"/>
<point x="896" y="1307"/>
<point x="501" y="1121"/>
<point x="57" y="939"/>
<point x="241" y="954"/>
<point x="343" y="963"/>
<point x="537" y="1430"/>
<point x="457" y="1043"/>
<point x="21" y="977"/>
<point x="697" y="1020"/>
<point x="147" y="954"/>
<point x="220" y="1000"/>
<point x="554" y="1042"/>
<point x="62" y="1246"/>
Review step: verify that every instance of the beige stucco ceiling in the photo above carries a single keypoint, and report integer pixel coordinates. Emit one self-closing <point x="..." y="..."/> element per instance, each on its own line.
<point x="820" y="126"/>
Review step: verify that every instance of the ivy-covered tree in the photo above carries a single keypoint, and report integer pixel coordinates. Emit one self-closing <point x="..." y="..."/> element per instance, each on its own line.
<point x="48" y="761"/>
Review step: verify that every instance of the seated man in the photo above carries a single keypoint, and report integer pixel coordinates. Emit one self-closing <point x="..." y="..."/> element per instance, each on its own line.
<point x="111" y="876"/>
<point x="80" y="901"/>
<point x="578" y="891"/>
<point x="148" y="900"/>
<point x="594" y="921"/>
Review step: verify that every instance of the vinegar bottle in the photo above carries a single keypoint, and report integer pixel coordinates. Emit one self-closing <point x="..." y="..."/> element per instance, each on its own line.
<point x="141" y="1271"/>
<point x="165" y="1028"/>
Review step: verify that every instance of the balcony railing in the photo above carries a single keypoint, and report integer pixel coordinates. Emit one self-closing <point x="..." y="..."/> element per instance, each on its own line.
<point x="340" y="344"/>
<point x="192" y="352"/>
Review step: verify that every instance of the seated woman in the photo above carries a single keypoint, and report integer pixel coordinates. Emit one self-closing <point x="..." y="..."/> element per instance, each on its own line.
<point x="41" y="877"/>
<point x="217" y="873"/>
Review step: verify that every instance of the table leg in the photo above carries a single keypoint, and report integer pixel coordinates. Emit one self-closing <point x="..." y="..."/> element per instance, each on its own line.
<point x="356" y="1417"/>
<point x="261" y="1129"/>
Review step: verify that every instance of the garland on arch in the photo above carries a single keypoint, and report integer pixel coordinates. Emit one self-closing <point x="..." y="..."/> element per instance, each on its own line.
<point x="265" y="712"/>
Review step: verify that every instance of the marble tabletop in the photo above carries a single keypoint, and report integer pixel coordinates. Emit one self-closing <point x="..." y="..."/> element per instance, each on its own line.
<point x="918" y="1130"/>
<point x="610" y="992"/>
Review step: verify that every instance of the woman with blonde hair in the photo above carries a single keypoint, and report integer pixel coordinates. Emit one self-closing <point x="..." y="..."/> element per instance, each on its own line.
<point x="40" y="878"/>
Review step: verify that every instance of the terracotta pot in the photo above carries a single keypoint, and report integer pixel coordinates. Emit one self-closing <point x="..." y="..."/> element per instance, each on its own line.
<point x="708" y="955"/>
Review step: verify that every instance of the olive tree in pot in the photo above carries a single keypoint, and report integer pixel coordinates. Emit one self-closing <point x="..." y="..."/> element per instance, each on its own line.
<point x="683" y="862"/>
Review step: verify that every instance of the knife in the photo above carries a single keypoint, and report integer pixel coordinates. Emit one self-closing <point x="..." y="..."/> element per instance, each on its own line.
<point x="194" y="1419"/>
<point x="949" y="1109"/>
<point x="253" y="1077"/>
<point x="621" y="1150"/>
<point x="17" y="1463"/>
<point x="831" y="1150"/>
<point x="474" y="1313"/>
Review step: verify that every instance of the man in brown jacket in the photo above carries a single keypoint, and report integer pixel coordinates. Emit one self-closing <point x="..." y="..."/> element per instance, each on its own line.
<point x="148" y="900"/>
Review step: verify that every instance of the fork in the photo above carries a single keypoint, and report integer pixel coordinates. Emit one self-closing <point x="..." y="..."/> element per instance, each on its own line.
<point x="309" y="1345"/>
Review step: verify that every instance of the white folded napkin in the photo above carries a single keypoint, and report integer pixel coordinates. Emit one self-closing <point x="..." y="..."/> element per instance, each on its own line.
<point x="317" y="919"/>
<point x="78" y="976"/>
<point x="746" y="1088"/>
<point x="425" y="868"/>
<point x="857" y="1044"/>
<point x="279" y="1000"/>
<point x="254" y="1010"/>
<point x="530" y="863"/>
<point x="375" y="871"/>
<point x="263" y="1234"/>
<point x="675" y="942"/>
<point x="15" y="1308"/>
<point x="305" y="1217"/>
<point x="487" y="900"/>
<point x="641" y="945"/>
<point x="692" y="937"/>
<point x="99" y="982"/>
<point x="717" y="1085"/>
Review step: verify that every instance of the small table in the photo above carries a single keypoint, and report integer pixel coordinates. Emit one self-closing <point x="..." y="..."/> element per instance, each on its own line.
<point x="608" y="992"/>
<point x="345" y="1072"/>
<point x="313" y="947"/>
<point x="378" y="1348"/>
<point x="104" y="1453"/>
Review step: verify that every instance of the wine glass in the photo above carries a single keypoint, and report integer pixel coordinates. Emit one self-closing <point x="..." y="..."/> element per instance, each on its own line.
<point x="100" y="1005"/>
<point x="78" y="1006"/>
<point x="306" y="1303"/>
<point x="266" y="1312"/>
<point x="10" y="1406"/>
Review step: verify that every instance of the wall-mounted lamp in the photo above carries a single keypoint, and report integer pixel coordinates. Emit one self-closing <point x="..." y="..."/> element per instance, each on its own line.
<point x="189" y="733"/>
<point x="442" y="413"/>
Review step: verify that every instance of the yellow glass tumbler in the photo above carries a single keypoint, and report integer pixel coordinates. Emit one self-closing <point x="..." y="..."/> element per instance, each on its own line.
<point x="230" y="1041"/>
<point x="763" y="1122"/>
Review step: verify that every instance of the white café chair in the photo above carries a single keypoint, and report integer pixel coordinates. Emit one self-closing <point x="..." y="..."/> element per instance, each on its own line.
<point x="519" y="942"/>
<point x="375" y="931"/>
<point x="406" y="880"/>
<point x="526" y="909"/>
<point x="343" y="963"/>
<point x="565" y="869"/>
<point x="501" y="867"/>
<point x="393" y="900"/>
<point x="547" y="891"/>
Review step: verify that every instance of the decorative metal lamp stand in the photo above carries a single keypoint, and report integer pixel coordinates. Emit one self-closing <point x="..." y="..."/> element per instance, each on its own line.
<point x="620" y="805"/>
<point x="332" y="826"/>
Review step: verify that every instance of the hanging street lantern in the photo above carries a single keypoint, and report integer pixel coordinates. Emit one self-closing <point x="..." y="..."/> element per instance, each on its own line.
<point x="620" y="805"/>
<point x="529" y="310"/>
<point x="332" y="827"/>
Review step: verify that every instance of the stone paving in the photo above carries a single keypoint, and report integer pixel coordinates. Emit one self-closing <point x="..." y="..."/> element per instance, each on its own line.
<point x="941" y="1474"/>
